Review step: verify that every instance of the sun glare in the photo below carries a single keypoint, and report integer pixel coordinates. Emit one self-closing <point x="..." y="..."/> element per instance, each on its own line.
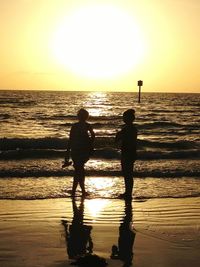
<point x="96" y="206"/>
<point x="98" y="41"/>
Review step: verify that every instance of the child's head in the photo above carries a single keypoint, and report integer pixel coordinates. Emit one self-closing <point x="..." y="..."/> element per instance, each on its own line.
<point x="129" y="116"/>
<point x="82" y="114"/>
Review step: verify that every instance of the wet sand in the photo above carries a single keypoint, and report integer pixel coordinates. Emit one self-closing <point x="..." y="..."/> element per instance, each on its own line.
<point x="167" y="231"/>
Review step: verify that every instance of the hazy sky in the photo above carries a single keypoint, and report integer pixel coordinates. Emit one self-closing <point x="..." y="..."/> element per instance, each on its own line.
<point x="100" y="45"/>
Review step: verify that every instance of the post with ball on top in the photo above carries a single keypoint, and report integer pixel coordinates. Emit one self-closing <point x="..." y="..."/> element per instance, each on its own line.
<point x="140" y="83"/>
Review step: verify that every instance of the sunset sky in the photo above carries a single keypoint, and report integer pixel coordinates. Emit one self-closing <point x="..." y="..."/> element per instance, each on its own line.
<point x="104" y="45"/>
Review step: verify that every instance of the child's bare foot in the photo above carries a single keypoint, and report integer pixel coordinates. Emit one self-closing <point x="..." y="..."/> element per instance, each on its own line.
<point x="125" y="196"/>
<point x="85" y="194"/>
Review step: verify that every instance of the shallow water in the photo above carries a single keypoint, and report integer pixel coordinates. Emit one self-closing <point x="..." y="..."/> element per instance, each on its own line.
<point x="98" y="187"/>
<point x="165" y="205"/>
<point x="35" y="127"/>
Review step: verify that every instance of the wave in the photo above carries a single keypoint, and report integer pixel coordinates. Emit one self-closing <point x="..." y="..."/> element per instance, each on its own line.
<point x="32" y="143"/>
<point x="173" y="145"/>
<point x="100" y="142"/>
<point x="17" y="103"/>
<point x="24" y="173"/>
<point x="93" y="196"/>
<point x="166" y="124"/>
<point x="4" y="116"/>
<point x="104" y="153"/>
<point x="159" y="124"/>
<point x="73" y="118"/>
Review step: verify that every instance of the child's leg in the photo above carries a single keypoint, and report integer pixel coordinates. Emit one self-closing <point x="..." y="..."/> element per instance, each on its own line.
<point x="75" y="184"/>
<point x="75" y="179"/>
<point x="127" y="170"/>
<point x="129" y="186"/>
<point x="79" y="177"/>
<point x="82" y="179"/>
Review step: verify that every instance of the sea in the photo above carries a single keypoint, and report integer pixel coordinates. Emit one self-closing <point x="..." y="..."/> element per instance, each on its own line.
<point x="35" y="127"/>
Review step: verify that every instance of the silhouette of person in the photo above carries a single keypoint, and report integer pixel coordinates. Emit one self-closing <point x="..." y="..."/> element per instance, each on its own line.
<point x="77" y="235"/>
<point x="128" y="139"/>
<point x="80" y="148"/>
<point x="124" y="250"/>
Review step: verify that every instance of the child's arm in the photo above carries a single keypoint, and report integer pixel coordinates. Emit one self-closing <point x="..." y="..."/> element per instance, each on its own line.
<point x="67" y="154"/>
<point x="118" y="137"/>
<point x="92" y="134"/>
<point x="92" y="137"/>
<point x="67" y="157"/>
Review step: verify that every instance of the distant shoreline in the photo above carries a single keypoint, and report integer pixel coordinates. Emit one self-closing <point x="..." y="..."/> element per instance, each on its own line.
<point x="93" y="91"/>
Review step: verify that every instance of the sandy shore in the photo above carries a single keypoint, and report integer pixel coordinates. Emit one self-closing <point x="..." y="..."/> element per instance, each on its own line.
<point x="167" y="231"/>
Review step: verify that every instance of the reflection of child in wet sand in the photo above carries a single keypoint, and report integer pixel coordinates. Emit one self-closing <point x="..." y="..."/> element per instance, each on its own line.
<point x="78" y="235"/>
<point x="80" y="147"/>
<point x="124" y="250"/>
<point x="128" y="138"/>
<point x="78" y="239"/>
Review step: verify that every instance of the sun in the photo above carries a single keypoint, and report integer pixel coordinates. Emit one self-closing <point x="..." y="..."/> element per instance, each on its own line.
<point x="99" y="41"/>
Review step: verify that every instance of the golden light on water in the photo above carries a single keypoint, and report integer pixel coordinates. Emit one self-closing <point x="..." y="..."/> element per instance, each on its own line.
<point x="96" y="101"/>
<point x="94" y="207"/>
<point x="104" y="186"/>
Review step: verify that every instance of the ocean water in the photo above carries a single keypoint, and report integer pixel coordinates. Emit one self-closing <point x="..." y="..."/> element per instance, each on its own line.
<point x="35" y="127"/>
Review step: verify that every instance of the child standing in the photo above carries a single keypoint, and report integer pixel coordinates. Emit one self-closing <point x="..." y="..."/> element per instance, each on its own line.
<point x="80" y="148"/>
<point x="128" y="139"/>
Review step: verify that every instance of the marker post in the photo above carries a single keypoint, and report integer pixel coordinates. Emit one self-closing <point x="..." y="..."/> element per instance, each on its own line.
<point x="140" y="83"/>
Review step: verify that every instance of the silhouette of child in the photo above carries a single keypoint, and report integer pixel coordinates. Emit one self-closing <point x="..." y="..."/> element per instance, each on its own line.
<point x="128" y="138"/>
<point x="80" y="148"/>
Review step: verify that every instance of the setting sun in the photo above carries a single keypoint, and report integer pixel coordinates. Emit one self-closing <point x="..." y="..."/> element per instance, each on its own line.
<point x="101" y="45"/>
<point x="98" y="41"/>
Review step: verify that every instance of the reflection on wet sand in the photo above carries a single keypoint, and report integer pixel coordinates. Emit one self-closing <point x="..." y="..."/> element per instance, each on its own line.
<point x="78" y="239"/>
<point x="124" y="250"/>
<point x="77" y="235"/>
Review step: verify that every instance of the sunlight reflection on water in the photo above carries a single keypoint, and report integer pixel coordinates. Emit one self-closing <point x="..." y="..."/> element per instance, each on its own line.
<point x="104" y="187"/>
<point x="98" y="187"/>
<point x="95" y="103"/>
<point x="94" y="207"/>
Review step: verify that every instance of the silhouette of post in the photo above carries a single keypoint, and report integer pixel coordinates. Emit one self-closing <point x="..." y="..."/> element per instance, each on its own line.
<point x="140" y="83"/>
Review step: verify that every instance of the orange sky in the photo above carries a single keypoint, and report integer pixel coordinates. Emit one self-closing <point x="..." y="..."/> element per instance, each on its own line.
<point x="102" y="45"/>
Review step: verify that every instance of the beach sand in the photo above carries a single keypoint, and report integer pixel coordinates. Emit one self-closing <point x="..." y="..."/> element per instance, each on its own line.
<point x="167" y="231"/>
